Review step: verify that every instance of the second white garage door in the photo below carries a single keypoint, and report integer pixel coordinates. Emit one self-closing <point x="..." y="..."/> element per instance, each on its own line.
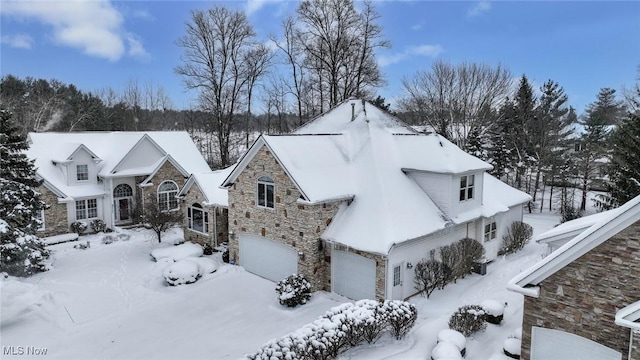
<point x="267" y="258"/>
<point x="353" y="276"/>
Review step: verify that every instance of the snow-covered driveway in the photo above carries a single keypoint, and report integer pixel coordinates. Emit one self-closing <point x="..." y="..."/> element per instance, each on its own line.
<point x="110" y="302"/>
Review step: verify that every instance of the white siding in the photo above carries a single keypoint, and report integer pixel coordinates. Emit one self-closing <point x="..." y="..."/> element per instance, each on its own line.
<point x="503" y="222"/>
<point x="81" y="158"/>
<point x="458" y="206"/>
<point x="436" y="186"/>
<point x="144" y="154"/>
<point x="415" y="250"/>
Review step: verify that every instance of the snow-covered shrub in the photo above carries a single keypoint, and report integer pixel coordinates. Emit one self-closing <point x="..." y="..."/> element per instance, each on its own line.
<point x="205" y="265"/>
<point x="450" y="258"/>
<point x="518" y="235"/>
<point x="82" y="246"/>
<point x="401" y="316"/>
<point x="511" y="347"/>
<point x="78" y="227"/>
<point x="445" y="350"/>
<point x="181" y="272"/>
<point x="430" y="274"/>
<point x="293" y="290"/>
<point x="342" y="326"/>
<point x="177" y="252"/>
<point x="207" y="249"/>
<point x="123" y="237"/>
<point x="471" y="251"/>
<point x="108" y="239"/>
<point x="454" y="337"/>
<point x="494" y="311"/>
<point x="98" y="225"/>
<point x="468" y="319"/>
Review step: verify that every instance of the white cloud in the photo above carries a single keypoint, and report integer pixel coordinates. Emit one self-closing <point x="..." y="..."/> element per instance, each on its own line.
<point x="479" y="8"/>
<point x="136" y="49"/>
<point x="426" y="50"/>
<point x="417" y="26"/>
<point x="419" y="50"/>
<point x="20" y="41"/>
<point x="93" y="26"/>
<point x="142" y="14"/>
<point x="253" y="6"/>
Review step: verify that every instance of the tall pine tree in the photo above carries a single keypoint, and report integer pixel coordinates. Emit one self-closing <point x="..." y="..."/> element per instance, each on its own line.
<point x="624" y="168"/>
<point x="21" y="252"/>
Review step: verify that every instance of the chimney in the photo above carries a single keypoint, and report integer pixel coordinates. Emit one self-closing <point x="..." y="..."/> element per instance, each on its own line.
<point x="353" y="111"/>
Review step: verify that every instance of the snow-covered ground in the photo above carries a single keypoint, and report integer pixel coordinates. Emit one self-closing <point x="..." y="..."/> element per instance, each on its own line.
<point x="110" y="301"/>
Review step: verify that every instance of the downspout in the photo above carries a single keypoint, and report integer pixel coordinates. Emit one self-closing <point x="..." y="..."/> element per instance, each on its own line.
<point x="215" y="226"/>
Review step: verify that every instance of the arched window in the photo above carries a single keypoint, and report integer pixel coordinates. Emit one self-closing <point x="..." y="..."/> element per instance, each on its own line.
<point x="122" y="190"/>
<point x="265" y="192"/>
<point x="198" y="218"/>
<point x="167" y="192"/>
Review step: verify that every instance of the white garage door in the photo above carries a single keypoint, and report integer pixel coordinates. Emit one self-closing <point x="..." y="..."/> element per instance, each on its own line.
<point x="267" y="258"/>
<point x="353" y="276"/>
<point x="547" y="344"/>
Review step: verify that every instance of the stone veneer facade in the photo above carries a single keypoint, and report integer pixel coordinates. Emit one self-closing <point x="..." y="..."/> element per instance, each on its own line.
<point x="166" y="172"/>
<point x="55" y="217"/>
<point x="583" y="297"/>
<point x="193" y="196"/>
<point x="295" y="225"/>
<point x="635" y="345"/>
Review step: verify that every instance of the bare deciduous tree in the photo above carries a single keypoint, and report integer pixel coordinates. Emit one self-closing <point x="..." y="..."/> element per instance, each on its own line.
<point x="216" y="45"/>
<point x="456" y="100"/>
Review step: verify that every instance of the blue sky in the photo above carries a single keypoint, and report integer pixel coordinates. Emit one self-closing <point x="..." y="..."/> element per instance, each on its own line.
<point x="583" y="45"/>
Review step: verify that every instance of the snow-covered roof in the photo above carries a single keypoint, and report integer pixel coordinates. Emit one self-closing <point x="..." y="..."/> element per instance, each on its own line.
<point x="573" y="228"/>
<point x="108" y="149"/>
<point x="363" y="158"/>
<point x="629" y="316"/>
<point x="606" y="227"/>
<point x="209" y="183"/>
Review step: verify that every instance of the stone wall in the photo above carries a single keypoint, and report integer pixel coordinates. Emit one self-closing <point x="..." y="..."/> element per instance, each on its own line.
<point x="635" y="345"/>
<point x="55" y="217"/>
<point x="166" y="172"/>
<point x="195" y="195"/>
<point x="584" y="296"/>
<point x="293" y="224"/>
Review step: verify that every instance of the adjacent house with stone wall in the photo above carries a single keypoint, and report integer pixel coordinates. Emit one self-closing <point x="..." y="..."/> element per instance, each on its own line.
<point x="110" y="175"/>
<point x="206" y="208"/>
<point x="583" y="300"/>
<point x="354" y="198"/>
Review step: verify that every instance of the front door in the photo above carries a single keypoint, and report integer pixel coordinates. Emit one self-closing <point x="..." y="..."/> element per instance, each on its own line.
<point x="123" y="212"/>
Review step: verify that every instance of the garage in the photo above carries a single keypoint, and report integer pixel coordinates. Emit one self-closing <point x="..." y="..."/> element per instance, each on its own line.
<point x="549" y="344"/>
<point x="353" y="276"/>
<point x="267" y="258"/>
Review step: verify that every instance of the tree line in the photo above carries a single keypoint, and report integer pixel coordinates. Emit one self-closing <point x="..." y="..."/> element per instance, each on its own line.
<point x="325" y="53"/>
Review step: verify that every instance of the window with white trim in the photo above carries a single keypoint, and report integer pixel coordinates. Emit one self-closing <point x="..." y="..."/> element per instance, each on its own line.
<point x="167" y="192"/>
<point x="86" y="209"/>
<point x="82" y="172"/>
<point x="40" y="218"/>
<point x="122" y="190"/>
<point x="198" y="218"/>
<point x="466" y="187"/>
<point x="490" y="229"/>
<point x="396" y="275"/>
<point x="265" y="192"/>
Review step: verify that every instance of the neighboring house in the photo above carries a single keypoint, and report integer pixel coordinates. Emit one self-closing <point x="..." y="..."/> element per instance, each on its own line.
<point x="206" y="215"/>
<point x="354" y="198"/>
<point x="110" y="175"/>
<point x="583" y="300"/>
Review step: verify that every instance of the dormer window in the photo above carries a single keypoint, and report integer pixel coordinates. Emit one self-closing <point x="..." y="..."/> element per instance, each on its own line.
<point x="265" y="192"/>
<point x="466" y="187"/>
<point x="82" y="172"/>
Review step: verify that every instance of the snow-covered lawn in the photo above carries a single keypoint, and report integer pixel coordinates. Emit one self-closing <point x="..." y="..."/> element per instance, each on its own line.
<point x="110" y="301"/>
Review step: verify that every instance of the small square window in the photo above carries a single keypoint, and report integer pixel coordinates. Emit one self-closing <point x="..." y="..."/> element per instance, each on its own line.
<point x="82" y="172"/>
<point x="466" y="187"/>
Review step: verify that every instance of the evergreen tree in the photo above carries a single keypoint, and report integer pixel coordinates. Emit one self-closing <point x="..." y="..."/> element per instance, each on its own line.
<point x="624" y="169"/>
<point x="21" y="252"/>
<point x="607" y="110"/>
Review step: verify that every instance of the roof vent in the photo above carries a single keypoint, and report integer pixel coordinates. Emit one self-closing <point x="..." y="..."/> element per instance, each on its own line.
<point x="353" y="111"/>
